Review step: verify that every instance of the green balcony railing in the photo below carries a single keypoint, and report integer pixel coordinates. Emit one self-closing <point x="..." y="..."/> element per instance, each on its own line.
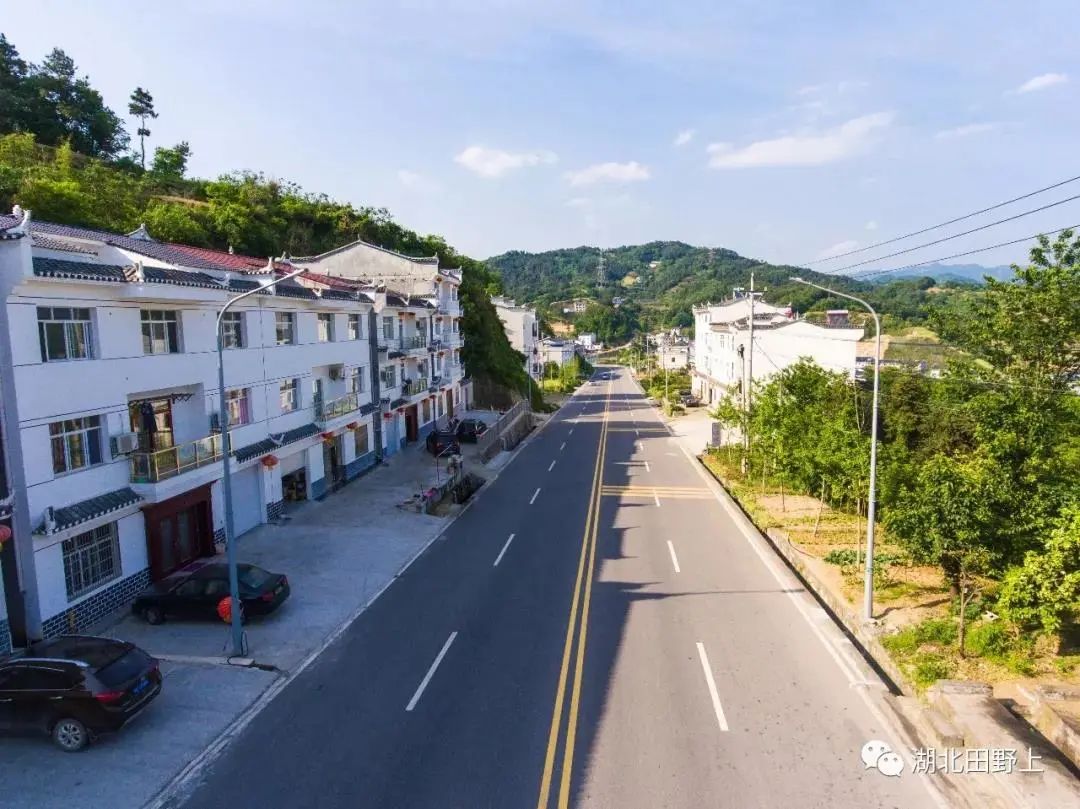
<point x="162" y="464"/>
<point x="415" y="386"/>
<point x="339" y="407"/>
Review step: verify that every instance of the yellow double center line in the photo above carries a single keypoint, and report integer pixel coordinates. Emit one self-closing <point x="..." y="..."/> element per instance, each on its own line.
<point x="581" y="598"/>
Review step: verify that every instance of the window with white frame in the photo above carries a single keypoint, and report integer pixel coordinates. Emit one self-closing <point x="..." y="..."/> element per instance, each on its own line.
<point x="65" y="333"/>
<point x="285" y="328"/>
<point x="289" y="391"/>
<point x="160" y="331"/>
<point x="356" y="329"/>
<point x="326" y="328"/>
<point x="232" y="330"/>
<point x="388" y="328"/>
<point x="455" y="325"/>
<point x="426" y="411"/>
<point x="453" y="292"/>
<point x="76" y="444"/>
<point x="238" y="406"/>
<point x="91" y="559"/>
<point x="356" y="380"/>
<point x="389" y="376"/>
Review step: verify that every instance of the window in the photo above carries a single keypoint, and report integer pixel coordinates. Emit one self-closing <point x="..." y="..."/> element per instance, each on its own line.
<point x="453" y="292"/>
<point x="388" y="328"/>
<point x="91" y="559"/>
<point x="389" y="376"/>
<point x="356" y="330"/>
<point x="232" y="330"/>
<point x="285" y="325"/>
<point x="160" y="332"/>
<point x="455" y="326"/>
<point x="290" y="395"/>
<point x="356" y="380"/>
<point x="76" y="444"/>
<point x="65" y="333"/>
<point x="238" y="406"/>
<point x="361" y="437"/>
<point x="426" y="406"/>
<point x="326" y="328"/>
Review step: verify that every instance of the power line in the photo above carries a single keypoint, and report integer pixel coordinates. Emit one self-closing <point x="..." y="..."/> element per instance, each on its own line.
<point x="871" y="273"/>
<point x="941" y="224"/>
<point x="954" y="236"/>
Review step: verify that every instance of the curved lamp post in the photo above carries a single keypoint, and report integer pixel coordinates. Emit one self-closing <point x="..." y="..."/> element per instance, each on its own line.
<point x="226" y="481"/>
<point x="868" y="585"/>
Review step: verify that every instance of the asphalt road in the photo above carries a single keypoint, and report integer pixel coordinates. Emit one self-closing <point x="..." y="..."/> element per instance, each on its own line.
<point x="632" y="647"/>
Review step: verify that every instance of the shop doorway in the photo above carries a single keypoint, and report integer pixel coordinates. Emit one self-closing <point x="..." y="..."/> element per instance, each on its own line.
<point x="412" y="424"/>
<point x="333" y="467"/>
<point x="178" y="531"/>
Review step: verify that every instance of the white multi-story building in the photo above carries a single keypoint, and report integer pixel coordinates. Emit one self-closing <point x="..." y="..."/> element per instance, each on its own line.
<point x="722" y="337"/>
<point x="111" y="402"/>
<point x="523" y="331"/>
<point x="558" y="351"/>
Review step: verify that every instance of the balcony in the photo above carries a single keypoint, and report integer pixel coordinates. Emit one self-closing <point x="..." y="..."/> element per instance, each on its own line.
<point x="415" y="342"/>
<point x="414" y="386"/>
<point x="338" y="407"/>
<point x="162" y="464"/>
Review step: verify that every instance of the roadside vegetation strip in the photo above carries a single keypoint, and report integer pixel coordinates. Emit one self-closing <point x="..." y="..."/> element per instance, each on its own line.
<point x="560" y="692"/>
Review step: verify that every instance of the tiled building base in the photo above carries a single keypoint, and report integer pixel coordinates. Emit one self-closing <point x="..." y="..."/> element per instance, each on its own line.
<point x="318" y="489"/>
<point x="274" y="510"/>
<point x="93" y="609"/>
<point x="359" y="466"/>
<point x="5" y="636"/>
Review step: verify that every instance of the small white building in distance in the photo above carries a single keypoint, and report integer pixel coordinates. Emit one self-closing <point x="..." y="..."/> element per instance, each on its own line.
<point x="587" y="341"/>
<point x="523" y="330"/>
<point x="559" y="352"/>
<point x="781" y="338"/>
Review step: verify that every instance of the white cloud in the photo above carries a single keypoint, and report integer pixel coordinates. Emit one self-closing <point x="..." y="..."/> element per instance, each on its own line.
<point x="838" y="248"/>
<point x="1041" y="82"/>
<point x="802" y="150"/>
<point x="871" y="225"/>
<point x="684" y="137"/>
<point x="416" y="181"/>
<point x="579" y="202"/>
<point x="493" y="163"/>
<point x="966" y="130"/>
<point x="840" y="87"/>
<point x="609" y="173"/>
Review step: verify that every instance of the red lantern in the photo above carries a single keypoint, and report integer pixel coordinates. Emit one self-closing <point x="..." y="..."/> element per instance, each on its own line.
<point x="327" y="436"/>
<point x="352" y="425"/>
<point x="5" y="534"/>
<point x="270" y="461"/>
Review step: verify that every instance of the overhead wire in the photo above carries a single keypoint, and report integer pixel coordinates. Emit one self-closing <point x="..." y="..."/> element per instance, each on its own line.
<point x="941" y="224"/>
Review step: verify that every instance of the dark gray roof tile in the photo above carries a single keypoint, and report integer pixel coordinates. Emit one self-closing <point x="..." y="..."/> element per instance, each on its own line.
<point x="91" y="508"/>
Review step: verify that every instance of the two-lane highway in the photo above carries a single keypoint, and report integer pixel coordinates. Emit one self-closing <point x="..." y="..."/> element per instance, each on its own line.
<point x="598" y="630"/>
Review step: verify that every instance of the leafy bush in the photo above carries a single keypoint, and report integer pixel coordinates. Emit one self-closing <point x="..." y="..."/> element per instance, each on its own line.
<point x="930" y="668"/>
<point x="989" y="639"/>
<point x="940" y="631"/>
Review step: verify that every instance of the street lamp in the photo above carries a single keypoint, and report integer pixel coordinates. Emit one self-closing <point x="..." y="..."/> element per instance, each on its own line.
<point x="868" y="585"/>
<point x="226" y="481"/>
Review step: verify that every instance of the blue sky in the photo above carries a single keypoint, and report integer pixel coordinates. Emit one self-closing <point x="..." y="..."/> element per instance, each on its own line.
<point x="782" y="130"/>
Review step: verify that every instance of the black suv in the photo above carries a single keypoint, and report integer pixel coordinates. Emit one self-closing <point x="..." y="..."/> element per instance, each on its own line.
<point x="75" y="687"/>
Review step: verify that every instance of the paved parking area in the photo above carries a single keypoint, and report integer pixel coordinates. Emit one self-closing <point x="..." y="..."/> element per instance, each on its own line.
<point x="338" y="554"/>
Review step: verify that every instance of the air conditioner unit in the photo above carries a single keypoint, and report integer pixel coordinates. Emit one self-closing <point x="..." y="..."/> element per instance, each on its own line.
<point x="125" y="443"/>
<point x="337" y="372"/>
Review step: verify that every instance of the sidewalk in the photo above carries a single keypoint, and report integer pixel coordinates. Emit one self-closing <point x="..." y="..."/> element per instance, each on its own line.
<point x="338" y="554"/>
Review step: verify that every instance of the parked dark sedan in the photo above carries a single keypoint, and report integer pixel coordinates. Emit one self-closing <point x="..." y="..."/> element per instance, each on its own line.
<point x="439" y="441"/>
<point x="470" y="430"/>
<point x="75" y="687"/>
<point x="198" y="594"/>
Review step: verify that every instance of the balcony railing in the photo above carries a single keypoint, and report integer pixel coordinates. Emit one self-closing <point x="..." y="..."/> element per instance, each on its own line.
<point x="414" y="386"/>
<point x="414" y="342"/>
<point x="339" y="407"/>
<point x="162" y="464"/>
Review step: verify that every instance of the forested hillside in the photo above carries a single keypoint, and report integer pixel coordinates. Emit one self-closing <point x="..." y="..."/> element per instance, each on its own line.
<point x="662" y="281"/>
<point x="64" y="157"/>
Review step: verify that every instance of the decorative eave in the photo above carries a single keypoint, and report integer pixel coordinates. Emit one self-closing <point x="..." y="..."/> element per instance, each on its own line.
<point x="87" y="510"/>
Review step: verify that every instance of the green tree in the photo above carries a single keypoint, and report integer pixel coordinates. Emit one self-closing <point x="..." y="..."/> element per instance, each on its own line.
<point x="15" y="100"/>
<point x="170" y="165"/>
<point x="68" y="108"/>
<point x="141" y="105"/>
<point x="1044" y="592"/>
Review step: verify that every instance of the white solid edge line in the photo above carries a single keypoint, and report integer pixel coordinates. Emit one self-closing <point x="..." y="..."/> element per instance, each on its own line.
<point x="755" y="542"/>
<point x="535" y="495"/>
<point x="712" y="686"/>
<point x="656" y="497"/>
<point x="504" y="547"/>
<point x="674" y="558"/>
<point x="562" y="446"/>
<point x="552" y="466"/>
<point x="430" y="672"/>
<point x="647" y="469"/>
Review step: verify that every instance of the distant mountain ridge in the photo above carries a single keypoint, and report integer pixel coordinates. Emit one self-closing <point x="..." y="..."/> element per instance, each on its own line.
<point x="970" y="273"/>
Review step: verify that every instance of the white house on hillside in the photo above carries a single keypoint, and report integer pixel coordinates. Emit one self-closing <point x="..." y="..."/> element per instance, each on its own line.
<point x="108" y="379"/>
<point x="523" y="331"/>
<point x="722" y="337"/>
